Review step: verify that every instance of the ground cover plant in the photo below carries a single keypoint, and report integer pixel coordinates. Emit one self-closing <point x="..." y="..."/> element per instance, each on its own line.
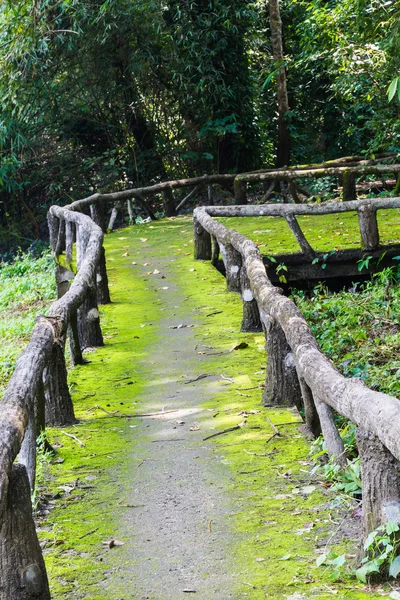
<point x="27" y="286"/>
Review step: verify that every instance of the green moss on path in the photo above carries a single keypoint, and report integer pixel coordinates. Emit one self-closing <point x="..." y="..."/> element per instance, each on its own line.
<point x="277" y="519"/>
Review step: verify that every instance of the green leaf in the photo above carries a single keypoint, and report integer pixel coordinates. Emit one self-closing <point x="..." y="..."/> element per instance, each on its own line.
<point x="321" y="559"/>
<point x="392" y="89"/>
<point x="391" y="527"/>
<point x="394" y="568"/>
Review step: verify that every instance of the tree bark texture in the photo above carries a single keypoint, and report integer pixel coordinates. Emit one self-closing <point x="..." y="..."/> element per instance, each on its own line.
<point x="58" y="402"/>
<point x="169" y="202"/>
<point x="251" y="315"/>
<point x="281" y="384"/>
<point x="368" y="227"/>
<point x="348" y="181"/>
<point x="333" y="441"/>
<point x="103" y="292"/>
<point x="113" y="217"/>
<point x="215" y="251"/>
<point x="283" y="145"/>
<point x="380" y="476"/>
<point x="202" y="242"/>
<point x="90" y="335"/>
<point x="22" y="570"/>
<point x="74" y="343"/>
<point x="313" y="425"/>
<point x="240" y="192"/>
<point x="98" y="215"/>
<point x="233" y="264"/>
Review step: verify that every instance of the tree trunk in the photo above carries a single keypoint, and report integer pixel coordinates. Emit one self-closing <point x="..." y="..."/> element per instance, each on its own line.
<point x="380" y="476"/>
<point x="283" y="145"/>
<point x="59" y="407"/>
<point x="22" y="570"/>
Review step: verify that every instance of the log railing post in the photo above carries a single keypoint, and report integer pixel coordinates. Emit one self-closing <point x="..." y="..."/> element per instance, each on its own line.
<point x="202" y="241"/>
<point x="53" y="224"/>
<point x="27" y="454"/>
<point x="251" y="315"/>
<point x="97" y="214"/>
<point x="312" y="422"/>
<point x="22" y="569"/>
<point x="113" y="216"/>
<point x="333" y="441"/>
<point x="215" y="251"/>
<point x="300" y="237"/>
<point x="69" y="241"/>
<point x="60" y="244"/>
<point x="58" y="402"/>
<point x="368" y="227"/>
<point x="169" y="202"/>
<point x="240" y="191"/>
<point x="380" y="476"/>
<point x="74" y="343"/>
<point x="349" y="185"/>
<point x="89" y="329"/>
<point x="233" y="265"/>
<point x="281" y="383"/>
<point x="131" y="216"/>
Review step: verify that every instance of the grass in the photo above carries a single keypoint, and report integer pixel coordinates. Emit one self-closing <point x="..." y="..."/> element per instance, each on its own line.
<point x="27" y="286"/>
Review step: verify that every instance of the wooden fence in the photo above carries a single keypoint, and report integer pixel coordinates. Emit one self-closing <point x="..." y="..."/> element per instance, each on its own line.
<point x="297" y="371"/>
<point x="38" y="392"/>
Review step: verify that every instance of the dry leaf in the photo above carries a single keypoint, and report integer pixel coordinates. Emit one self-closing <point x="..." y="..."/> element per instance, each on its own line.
<point x="156" y="272"/>
<point x="144" y="239"/>
<point x="126" y="254"/>
<point x="134" y="263"/>
<point x="194" y="428"/>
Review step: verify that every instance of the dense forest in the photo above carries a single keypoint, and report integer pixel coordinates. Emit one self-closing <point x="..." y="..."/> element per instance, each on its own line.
<point x="108" y="94"/>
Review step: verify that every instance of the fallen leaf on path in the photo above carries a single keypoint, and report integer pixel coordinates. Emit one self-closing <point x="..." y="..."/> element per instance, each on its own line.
<point x="156" y="272"/>
<point x="113" y="543"/>
<point x="194" y="428"/>
<point x="164" y="288"/>
<point x="260" y="559"/>
<point x="145" y="264"/>
<point x="286" y="557"/>
<point x="180" y="422"/>
<point x="307" y="489"/>
<point x="143" y="239"/>
<point x="126" y="254"/>
<point x="134" y="263"/>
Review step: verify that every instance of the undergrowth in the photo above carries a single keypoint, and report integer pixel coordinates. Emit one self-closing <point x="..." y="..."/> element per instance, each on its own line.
<point x="27" y="286"/>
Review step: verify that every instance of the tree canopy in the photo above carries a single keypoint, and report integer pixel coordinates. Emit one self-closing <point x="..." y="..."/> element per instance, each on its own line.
<point x="105" y="94"/>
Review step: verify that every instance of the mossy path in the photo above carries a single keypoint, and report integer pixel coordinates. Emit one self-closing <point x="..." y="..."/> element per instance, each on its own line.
<point x="144" y="507"/>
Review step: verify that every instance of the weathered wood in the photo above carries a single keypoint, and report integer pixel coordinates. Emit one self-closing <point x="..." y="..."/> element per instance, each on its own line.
<point x="63" y="280"/>
<point x="69" y="241"/>
<point x="240" y="192"/>
<point x="348" y="181"/>
<point x="313" y="425"/>
<point x="58" y="402"/>
<point x="281" y="383"/>
<point x="145" y="206"/>
<point x="188" y="197"/>
<point x="380" y="476"/>
<point x="60" y="244"/>
<point x="233" y="264"/>
<point x="114" y="214"/>
<point x="27" y="455"/>
<point x="333" y="441"/>
<point x="215" y="251"/>
<point x="53" y="224"/>
<point x="300" y="237"/>
<point x="251" y="315"/>
<point x="368" y="227"/>
<point x="282" y="210"/>
<point x="202" y="242"/>
<point x="89" y="329"/>
<point x="378" y="413"/>
<point x="22" y="570"/>
<point x="74" y="343"/>
<point x="168" y="202"/>
<point x="97" y="213"/>
<point x="130" y="211"/>
<point x="103" y="292"/>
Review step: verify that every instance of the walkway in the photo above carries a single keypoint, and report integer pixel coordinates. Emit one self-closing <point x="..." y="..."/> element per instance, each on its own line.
<point x="148" y="508"/>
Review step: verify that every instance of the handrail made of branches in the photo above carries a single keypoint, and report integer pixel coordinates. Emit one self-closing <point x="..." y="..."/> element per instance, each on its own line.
<point x="299" y="373"/>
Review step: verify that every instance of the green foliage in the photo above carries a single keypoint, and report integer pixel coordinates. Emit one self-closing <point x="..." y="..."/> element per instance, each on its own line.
<point x="382" y="547"/>
<point x="359" y="331"/>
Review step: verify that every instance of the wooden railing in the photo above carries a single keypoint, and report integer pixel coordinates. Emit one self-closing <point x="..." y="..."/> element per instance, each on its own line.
<point x="297" y="371"/>
<point x="38" y="392"/>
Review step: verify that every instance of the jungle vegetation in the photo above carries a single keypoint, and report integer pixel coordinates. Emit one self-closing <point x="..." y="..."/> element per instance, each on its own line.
<point x="105" y="94"/>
